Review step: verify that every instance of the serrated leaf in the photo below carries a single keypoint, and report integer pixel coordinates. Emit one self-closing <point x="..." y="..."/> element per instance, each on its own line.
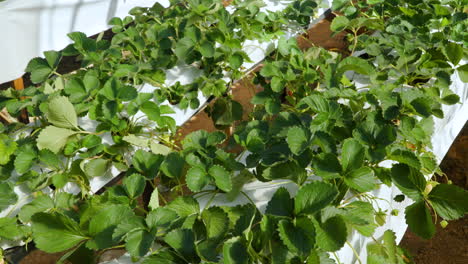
<point x="299" y="237"/>
<point x="49" y="158"/>
<point x="360" y="215"/>
<point x="54" y="232"/>
<point x="298" y="139"/>
<point x="419" y="220"/>
<point x="313" y="197"/>
<point x="157" y="148"/>
<point x="216" y="222"/>
<point x="154" y="199"/>
<point x="147" y="163"/>
<point x="449" y="201"/>
<point x="356" y="64"/>
<point x="160" y="217"/>
<point x="173" y="165"/>
<point x="288" y="170"/>
<point x="235" y="252"/>
<point x="407" y="157"/>
<point x="182" y="240"/>
<point x="96" y="167"/>
<point x="280" y="204"/>
<point x="103" y="224"/>
<point x="39" y="69"/>
<point x="8" y="196"/>
<point x="40" y="204"/>
<point x="207" y="250"/>
<point x="7" y="148"/>
<point x="331" y="235"/>
<point x="138" y="242"/>
<point x="277" y="84"/>
<point x="184" y="206"/>
<point x="53" y="138"/>
<point x="362" y="179"/>
<point x="24" y="160"/>
<point x="134" y="185"/>
<point x="196" y="179"/>
<point x="61" y="113"/>
<point x="207" y="49"/>
<point x="222" y="177"/>
<point x="339" y="23"/>
<point x="10" y="230"/>
<point x="410" y="181"/>
<point x="235" y="61"/>
<point x="463" y="73"/>
<point x="352" y="154"/>
<point x="454" y="52"/>
<point x="137" y="141"/>
<point x="162" y="256"/>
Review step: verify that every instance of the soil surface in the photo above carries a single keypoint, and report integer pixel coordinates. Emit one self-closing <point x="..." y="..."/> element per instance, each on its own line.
<point x="449" y="245"/>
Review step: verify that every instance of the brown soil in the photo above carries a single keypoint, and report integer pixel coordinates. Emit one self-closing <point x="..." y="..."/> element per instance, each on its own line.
<point x="449" y="245"/>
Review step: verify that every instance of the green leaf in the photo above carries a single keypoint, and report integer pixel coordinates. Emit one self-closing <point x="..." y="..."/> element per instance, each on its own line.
<point x="463" y="73"/>
<point x="40" y="203"/>
<point x="173" y="165"/>
<point x="182" y="240"/>
<point x="299" y="237"/>
<point x="103" y="224"/>
<point x="208" y="250"/>
<point x="39" y="69"/>
<point x="216" y="222"/>
<point x="422" y="106"/>
<point x="339" y="23"/>
<point x="49" y="158"/>
<point x="163" y="256"/>
<point x="207" y="49"/>
<point x="138" y="242"/>
<point x="134" y="185"/>
<point x="327" y="166"/>
<point x="184" y="206"/>
<point x="360" y="215"/>
<point x="147" y="163"/>
<point x="277" y="84"/>
<point x="196" y="179"/>
<point x="52" y="58"/>
<point x="410" y="181"/>
<point x="54" y="232"/>
<point x="10" y="230"/>
<point x="298" y="139"/>
<point x="235" y="252"/>
<point x="24" y="160"/>
<point x="226" y="111"/>
<point x="157" y="148"/>
<point x="280" y="204"/>
<point x="8" y="196"/>
<point x="160" y="218"/>
<point x="183" y="48"/>
<point x="222" y="177"/>
<point x="356" y="64"/>
<point x="97" y="167"/>
<point x="154" y="199"/>
<point x="7" y="148"/>
<point x="449" y="201"/>
<point x="313" y="197"/>
<point x="137" y="141"/>
<point x="53" y="138"/>
<point x="352" y="154"/>
<point x="235" y="61"/>
<point x="288" y="170"/>
<point x="454" y="52"/>
<point x="407" y="157"/>
<point x="419" y="220"/>
<point x="61" y="113"/>
<point x="331" y="235"/>
<point x="362" y="179"/>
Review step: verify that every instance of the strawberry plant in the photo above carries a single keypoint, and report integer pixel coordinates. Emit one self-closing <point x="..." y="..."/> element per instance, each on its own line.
<point x="327" y="122"/>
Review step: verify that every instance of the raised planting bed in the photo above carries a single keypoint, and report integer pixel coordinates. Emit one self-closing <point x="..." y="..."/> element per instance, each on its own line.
<point x="331" y="150"/>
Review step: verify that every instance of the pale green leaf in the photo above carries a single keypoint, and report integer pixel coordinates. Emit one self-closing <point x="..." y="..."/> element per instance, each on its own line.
<point x="54" y="138"/>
